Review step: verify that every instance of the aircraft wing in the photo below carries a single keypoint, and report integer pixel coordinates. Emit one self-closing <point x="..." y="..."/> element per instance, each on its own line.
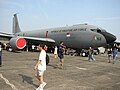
<point x="27" y="40"/>
<point x="19" y="42"/>
<point x="9" y="36"/>
<point x="5" y="35"/>
<point x="35" y="39"/>
<point x="31" y="41"/>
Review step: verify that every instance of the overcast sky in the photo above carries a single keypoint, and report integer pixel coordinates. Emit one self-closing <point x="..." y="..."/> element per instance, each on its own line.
<point x="38" y="14"/>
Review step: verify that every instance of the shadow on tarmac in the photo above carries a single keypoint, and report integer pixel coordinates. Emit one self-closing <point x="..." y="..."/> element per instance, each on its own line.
<point x="27" y="79"/>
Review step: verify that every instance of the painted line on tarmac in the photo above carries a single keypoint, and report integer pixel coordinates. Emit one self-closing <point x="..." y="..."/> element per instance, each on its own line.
<point x="8" y="83"/>
<point x="81" y="68"/>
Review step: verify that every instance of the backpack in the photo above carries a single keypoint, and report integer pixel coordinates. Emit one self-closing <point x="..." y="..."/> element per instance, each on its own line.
<point x="47" y="59"/>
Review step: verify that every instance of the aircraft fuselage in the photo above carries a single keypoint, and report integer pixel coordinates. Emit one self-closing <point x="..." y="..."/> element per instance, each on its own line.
<point x="78" y="36"/>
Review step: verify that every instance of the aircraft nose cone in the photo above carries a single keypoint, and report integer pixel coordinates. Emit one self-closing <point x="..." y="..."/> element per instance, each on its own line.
<point x="109" y="37"/>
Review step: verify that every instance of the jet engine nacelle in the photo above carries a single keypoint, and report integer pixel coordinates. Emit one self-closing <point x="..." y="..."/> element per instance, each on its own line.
<point x="17" y="42"/>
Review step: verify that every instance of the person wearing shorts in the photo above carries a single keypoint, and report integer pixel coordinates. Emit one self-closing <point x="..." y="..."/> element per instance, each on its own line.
<point x="61" y="54"/>
<point x="41" y="67"/>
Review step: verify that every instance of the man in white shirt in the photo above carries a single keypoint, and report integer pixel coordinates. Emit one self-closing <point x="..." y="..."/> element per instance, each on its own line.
<point x="41" y="67"/>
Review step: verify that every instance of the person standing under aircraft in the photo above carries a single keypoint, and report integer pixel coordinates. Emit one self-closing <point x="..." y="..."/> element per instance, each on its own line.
<point x="93" y="54"/>
<point x="114" y="55"/>
<point x="61" y="49"/>
<point x="33" y="48"/>
<point x="41" y="67"/>
<point x="109" y="50"/>
<point x="0" y="54"/>
<point x="55" y="52"/>
<point x="90" y="56"/>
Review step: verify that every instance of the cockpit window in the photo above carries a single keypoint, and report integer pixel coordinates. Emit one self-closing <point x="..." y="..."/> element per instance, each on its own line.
<point x="96" y="30"/>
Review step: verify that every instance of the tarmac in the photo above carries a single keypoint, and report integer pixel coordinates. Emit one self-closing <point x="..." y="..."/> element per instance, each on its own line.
<point x="78" y="73"/>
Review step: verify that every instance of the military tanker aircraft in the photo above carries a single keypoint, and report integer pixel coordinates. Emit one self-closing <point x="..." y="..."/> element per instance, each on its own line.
<point x="77" y="36"/>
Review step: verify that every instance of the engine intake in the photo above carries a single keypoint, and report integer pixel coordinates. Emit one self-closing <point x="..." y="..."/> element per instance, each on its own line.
<point x="17" y="43"/>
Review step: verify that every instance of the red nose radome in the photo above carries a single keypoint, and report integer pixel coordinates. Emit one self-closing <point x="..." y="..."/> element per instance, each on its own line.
<point x="20" y="43"/>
